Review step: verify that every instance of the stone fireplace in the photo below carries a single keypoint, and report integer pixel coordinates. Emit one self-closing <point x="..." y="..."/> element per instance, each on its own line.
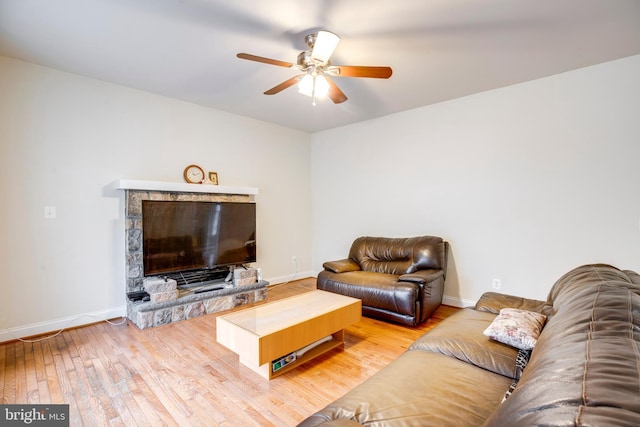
<point x="146" y="314"/>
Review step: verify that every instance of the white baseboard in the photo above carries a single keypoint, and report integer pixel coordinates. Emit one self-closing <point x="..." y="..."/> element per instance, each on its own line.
<point x="290" y="277"/>
<point x="457" y="302"/>
<point x="53" y="326"/>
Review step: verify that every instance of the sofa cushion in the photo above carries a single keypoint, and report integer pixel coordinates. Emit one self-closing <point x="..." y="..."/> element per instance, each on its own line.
<point x="420" y="388"/>
<point x="493" y="302"/>
<point x="460" y="336"/>
<point x="379" y="290"/>
<point x="517" y="328"/>
<point x="399" y="255"/>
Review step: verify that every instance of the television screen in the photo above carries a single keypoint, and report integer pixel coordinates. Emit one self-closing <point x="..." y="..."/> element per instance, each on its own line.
<point x="181" y="235"/>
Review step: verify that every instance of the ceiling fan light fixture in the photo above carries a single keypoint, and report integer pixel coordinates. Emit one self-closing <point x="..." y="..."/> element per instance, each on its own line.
<point x="305" y="86"/>
<point x="324" y="45"/>
<point x="322" y="86"/>
<point x="314" y="86"/>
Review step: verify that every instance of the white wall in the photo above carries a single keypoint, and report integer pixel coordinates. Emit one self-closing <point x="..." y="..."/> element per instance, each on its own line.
<point x="64" y="138"/>
<point x="525" y="182"/>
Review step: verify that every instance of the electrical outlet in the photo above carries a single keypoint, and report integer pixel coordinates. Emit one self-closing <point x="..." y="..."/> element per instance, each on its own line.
<point x="294" y="260"/>
<point x="49" y="212"/>
<point x="496" y="284"/>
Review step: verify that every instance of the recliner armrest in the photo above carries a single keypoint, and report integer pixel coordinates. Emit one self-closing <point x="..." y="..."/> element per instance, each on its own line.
<point x="341" y="266"/>
<point x="493" y="302"/>
<point x="421" y="276"/>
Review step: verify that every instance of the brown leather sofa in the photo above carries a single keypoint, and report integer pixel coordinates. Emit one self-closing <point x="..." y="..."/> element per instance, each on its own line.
<point x="583" y="371"/>
<point x="397" y="279"/>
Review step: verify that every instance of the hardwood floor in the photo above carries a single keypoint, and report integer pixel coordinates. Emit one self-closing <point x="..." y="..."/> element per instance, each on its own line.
<point x="178" y="375"/>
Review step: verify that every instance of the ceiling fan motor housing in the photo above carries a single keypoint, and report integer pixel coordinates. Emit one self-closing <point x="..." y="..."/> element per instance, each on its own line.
<point x="307" y="61"/>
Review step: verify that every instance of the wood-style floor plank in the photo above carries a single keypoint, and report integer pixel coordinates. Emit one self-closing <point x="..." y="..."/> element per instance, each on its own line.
<point x="178" y="375"/>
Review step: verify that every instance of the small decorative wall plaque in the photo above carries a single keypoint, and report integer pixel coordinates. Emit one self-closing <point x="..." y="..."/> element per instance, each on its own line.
<point x="213" y="178"/>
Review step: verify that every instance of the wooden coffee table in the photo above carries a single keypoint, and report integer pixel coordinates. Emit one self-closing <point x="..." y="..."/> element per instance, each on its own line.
<point x="275" y="337"/>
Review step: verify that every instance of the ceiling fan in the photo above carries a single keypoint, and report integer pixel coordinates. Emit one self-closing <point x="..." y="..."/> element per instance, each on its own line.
<point x="315" y="65"/>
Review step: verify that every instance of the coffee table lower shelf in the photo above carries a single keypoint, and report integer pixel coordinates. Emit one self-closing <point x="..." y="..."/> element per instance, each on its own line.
<point x="266" y="370"/>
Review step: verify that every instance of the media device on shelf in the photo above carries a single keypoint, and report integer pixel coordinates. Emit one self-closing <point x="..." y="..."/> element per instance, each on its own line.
<point x="195" y="242"/>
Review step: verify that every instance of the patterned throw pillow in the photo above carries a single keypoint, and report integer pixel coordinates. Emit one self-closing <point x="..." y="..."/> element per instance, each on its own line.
<point x="521" y="363"/>
<point x="517" y="328"/>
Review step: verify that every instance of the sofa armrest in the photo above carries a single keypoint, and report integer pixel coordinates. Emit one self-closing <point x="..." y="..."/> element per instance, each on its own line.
<point x="421" y="276"/>
<point x="341" y="266"/>
<point x="493" y="302"/>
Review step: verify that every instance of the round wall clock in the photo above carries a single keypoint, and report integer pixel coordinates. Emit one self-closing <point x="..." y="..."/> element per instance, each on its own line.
<point x="193" y="174"/>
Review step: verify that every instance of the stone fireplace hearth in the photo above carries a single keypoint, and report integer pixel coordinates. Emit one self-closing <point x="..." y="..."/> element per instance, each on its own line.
<point x="149" y="314"/>
<point x="146" y="314"/>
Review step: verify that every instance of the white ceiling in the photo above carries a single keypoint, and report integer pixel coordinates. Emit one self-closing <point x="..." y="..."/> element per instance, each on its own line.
<point x="438" y="49"/>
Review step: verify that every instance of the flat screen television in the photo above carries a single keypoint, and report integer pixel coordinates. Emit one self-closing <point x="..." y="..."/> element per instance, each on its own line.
<point x="180" y="236"/>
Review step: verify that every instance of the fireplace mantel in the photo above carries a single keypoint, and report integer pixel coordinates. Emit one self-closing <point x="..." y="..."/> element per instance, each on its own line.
<point x="180" y="187"/>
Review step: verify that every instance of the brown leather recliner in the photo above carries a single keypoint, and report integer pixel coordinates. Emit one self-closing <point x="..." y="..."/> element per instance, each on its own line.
<point x="397" y="279"/>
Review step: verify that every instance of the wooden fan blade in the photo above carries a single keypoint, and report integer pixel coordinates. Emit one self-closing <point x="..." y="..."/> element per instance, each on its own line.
<point x="336" y="95"/>
<point x="264" y="60"/>
<point x="362" y="71"/>
<point x="282" y="86"/>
